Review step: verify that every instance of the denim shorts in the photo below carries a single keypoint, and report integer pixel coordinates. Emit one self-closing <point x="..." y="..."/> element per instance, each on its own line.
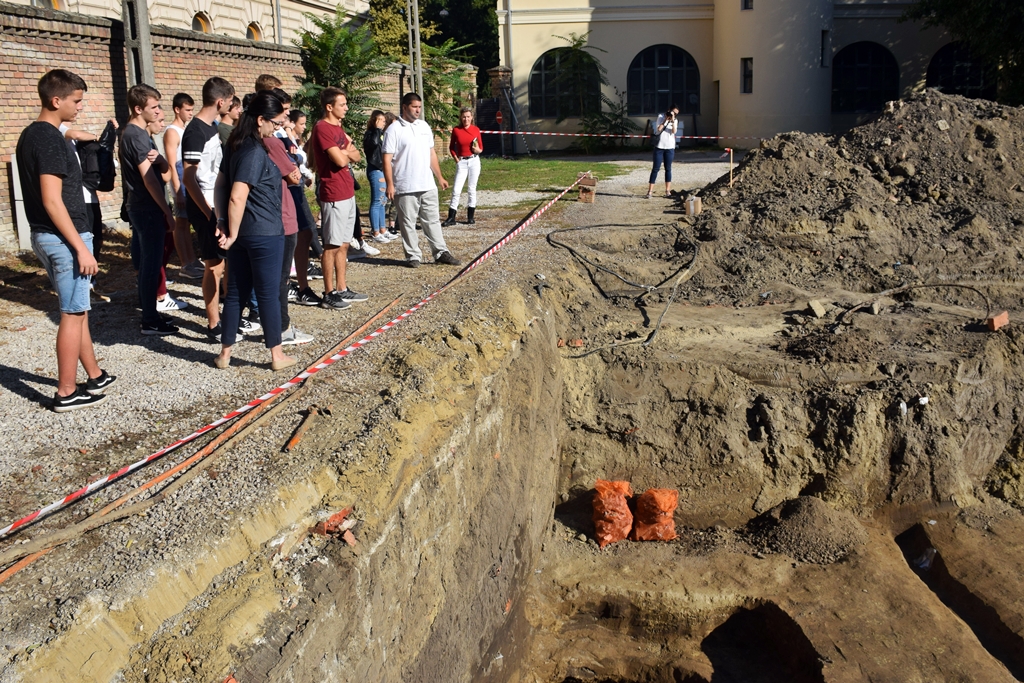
<point x="61" y="265"/>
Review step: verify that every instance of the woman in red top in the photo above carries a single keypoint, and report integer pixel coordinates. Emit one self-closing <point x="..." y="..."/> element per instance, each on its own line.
<point x="466" y="146"/>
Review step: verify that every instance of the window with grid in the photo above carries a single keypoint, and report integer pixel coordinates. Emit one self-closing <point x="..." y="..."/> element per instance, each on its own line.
<point x="552" y="96"/>
<point x="660" y="76"/>
<point x="865" y="76"/>
<point x="955" y="71"/>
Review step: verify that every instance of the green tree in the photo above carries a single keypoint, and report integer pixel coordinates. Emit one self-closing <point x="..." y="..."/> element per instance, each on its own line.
<point x="340" y="53"/>
<point x="446" y="85"/>
<point x="992" y="29"/>
<point x="579" y="78"/>
<point x="472" y="23"/>
<point x="390" y="30"/>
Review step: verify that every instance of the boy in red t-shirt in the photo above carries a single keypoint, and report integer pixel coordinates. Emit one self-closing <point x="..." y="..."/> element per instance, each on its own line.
<point x="333" y="152"/>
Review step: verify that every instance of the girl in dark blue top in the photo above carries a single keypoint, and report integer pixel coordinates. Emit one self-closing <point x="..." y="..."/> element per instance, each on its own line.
<point x="253" y="232"/>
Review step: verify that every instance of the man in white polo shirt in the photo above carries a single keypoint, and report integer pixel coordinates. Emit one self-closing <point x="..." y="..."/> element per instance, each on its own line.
<point x="410" y="166"/>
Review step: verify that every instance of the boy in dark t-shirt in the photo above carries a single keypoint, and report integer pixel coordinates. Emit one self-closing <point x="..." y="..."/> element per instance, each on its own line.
<point x="51" y="179"/>
<point x="202" y="154"/>
<point x="150" y="216"/>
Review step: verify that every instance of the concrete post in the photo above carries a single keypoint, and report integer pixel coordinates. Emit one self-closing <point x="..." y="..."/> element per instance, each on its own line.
<point x="137" y="42"/>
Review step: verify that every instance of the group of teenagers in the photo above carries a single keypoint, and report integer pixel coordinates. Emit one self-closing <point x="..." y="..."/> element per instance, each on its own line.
<point x="236" y="172"/>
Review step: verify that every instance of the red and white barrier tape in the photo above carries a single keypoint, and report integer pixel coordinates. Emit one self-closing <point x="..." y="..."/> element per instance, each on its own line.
<point x="611" y="135"/>
<point x="295" y="381"/>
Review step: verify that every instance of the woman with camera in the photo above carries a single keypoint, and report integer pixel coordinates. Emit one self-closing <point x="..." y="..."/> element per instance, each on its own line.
<point x="664" y="148"/>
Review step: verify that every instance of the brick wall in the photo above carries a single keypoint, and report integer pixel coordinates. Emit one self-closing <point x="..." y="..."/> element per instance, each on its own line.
<point x="35" y="40"/>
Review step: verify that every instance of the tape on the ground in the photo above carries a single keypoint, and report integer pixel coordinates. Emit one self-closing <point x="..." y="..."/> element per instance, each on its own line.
<point x="290" y="384"/>
<point x="619" y="136"/>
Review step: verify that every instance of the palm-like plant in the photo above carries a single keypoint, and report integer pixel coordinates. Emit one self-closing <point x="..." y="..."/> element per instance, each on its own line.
<point x="339" y="53"/>
<point x="446" y="87"/>
<point x="579" y="77"/>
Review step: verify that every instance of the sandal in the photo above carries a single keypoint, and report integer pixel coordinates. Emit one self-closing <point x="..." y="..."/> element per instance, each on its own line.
<point x="649" y="195"/>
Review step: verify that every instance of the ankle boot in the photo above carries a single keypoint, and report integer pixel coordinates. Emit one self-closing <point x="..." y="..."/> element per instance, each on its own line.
<point x="450" y="220"/>
<point x="469" y="215"/>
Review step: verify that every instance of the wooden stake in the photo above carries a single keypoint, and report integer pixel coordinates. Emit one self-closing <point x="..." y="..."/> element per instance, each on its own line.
<point x="730" y="167"/>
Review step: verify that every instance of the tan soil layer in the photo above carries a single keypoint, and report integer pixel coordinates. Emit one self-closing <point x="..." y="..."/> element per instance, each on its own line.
<point x="832" y="525"/>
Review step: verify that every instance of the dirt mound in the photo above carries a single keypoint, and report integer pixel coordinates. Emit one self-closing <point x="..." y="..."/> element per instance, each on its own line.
<point x="928" y="192"/>
<point x="809" y="530"/>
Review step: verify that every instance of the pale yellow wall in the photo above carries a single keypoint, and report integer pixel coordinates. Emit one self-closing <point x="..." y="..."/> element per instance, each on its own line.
<point x="622" y="30"/>
<point x="791" y="89"/>
<point x="229" y="17"/>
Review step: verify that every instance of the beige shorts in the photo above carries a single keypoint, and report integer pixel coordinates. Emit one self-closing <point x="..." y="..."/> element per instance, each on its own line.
<point x="338" y="221"/>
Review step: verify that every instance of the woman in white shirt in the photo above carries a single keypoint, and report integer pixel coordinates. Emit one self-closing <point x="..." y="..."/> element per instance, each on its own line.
<point x="665" y="148"/>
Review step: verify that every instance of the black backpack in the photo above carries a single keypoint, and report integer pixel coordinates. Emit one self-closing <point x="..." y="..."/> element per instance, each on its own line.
<point x="98" y="170"/>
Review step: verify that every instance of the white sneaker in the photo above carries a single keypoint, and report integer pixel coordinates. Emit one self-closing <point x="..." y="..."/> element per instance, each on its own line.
<point x="372" y="251"/>
<point x="169" y="303"/>
<point x="381" y="239"/>
<point x="249" y="327"/>
<point x="354" y="244"/>
<point x="293" y="336"/>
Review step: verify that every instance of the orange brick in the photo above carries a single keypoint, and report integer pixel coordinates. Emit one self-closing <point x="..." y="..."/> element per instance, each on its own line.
<point x="998" y="321"/>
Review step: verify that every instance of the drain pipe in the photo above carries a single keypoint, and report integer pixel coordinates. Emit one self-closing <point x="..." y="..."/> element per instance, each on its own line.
<point x="277" y="19"/>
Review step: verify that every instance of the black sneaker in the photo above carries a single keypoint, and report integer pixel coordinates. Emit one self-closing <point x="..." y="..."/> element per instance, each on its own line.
<point x="160" y="329"/>
<point x="447" y="259"/>
<point x="97" y="385"/>
<point x="334" y="300"/>
<point x="412" y="263"/>
<point x="80" y="399"/>
<point x="313" y="272"/>
<point x="307" y="297"/>
<point x="352" y="297"/>
<point x="293" y="293"/>
<point x="215" y="332"/>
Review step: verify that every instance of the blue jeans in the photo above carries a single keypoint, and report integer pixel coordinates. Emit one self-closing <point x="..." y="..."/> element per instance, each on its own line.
<point x="378" y="200"/>
<point x="61" y="265"/>
<point x="666" y="155"/>
<point x="254" y="264"/>
<point x="148" y="230"/>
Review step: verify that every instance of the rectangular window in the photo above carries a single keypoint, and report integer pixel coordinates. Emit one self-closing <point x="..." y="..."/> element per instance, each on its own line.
<point x="746" y="4"/>
<point x="747" y="75"/>
<point x="826" y="49"/>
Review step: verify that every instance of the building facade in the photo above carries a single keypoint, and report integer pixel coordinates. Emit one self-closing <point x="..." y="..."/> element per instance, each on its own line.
<point x="245" y="19"/>
<point x="744" y="68"/>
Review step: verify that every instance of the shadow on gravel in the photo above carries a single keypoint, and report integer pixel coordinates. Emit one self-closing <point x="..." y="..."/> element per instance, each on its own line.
<point x="17" y="381"/>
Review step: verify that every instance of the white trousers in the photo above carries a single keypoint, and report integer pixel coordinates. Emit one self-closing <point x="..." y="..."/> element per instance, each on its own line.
<point x="466" y="168"/>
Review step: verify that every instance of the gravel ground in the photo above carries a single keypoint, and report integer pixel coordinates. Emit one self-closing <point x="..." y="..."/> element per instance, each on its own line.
<point x="167" y="387"/>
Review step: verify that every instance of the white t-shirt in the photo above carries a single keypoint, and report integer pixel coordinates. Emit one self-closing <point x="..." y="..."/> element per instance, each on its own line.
<point x="410" y="143"/>
<point x="667" y="137"/>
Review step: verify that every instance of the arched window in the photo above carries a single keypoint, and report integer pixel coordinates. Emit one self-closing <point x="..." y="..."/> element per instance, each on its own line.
<point x="864" y="77"/>
<point x="201" y="22"/>
<point x="554" y="91"/>
<point x="660" y="76"/>
<point x="955" y="71"/>
<point x="253" y="32"/>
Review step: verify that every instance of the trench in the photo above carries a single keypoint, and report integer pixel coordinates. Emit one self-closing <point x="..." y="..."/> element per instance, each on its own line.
<point x="982" y="618"/>
<point x="483" y="567"/>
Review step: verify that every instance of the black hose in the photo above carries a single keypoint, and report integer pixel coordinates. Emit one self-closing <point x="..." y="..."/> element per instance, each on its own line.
<point x="677" y="277"/>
